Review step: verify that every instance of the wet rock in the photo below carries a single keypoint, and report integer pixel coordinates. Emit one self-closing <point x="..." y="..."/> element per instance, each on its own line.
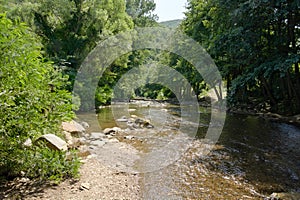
<point x="54" y="142"/>
<point x="141" y="123"/>
<point x="285" y="196"/>
<point x="73" y="127"/>
<point x="112" y="131"/>
<point x="28" y="143"/>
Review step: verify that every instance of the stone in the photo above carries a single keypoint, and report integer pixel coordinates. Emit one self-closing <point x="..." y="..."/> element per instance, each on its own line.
<point x="67" y="136"/>
<point x="142" y="123"/>
<point x="98" y="143"/>
<point x="85" y="125"/>
<point x="113" y="140"/>
<point x="54" y="142"/>
<point x="129" y="137"/>
<point x="97" y="135"/>
<point x="122" y="120"/>
<point x="24" y="180"/>
<point x="73" y="127"/>
<point x="28" y="143"/>
<point x="286" y="196"/>
<point x="83" y="151"/>
<point x="85" y="186"/>
<point x="74" y="143"/>
<point x="110" y="131"/>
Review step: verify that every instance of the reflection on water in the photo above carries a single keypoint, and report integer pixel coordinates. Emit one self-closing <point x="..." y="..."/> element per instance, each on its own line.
<point x="253" y="158"/>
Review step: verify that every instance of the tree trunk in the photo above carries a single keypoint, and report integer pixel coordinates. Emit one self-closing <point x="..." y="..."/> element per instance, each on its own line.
<point x="269" y="93"/>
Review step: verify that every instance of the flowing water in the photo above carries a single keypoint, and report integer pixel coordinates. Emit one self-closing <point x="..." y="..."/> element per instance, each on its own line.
<point x="253" y="158"/>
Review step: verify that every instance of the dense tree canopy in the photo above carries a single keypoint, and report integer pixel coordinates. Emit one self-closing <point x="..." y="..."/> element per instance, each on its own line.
<point x="256" y="46"/>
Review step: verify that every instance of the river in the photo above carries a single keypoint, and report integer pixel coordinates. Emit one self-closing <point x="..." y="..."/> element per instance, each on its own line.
<point x="252" y="159"/>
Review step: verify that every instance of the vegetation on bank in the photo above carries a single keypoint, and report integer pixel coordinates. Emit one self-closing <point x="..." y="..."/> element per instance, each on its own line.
<point x="255" y="45"/>
<point x="33" y="102"/>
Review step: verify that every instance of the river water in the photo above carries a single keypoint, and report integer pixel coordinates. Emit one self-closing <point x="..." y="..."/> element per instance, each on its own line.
<point x="252" y="159"/>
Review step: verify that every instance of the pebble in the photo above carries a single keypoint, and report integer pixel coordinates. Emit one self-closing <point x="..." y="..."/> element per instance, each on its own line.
<point x="85" y="186"/>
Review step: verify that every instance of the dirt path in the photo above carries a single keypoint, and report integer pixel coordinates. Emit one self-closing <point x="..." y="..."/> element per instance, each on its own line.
<point x="96" y="182"/>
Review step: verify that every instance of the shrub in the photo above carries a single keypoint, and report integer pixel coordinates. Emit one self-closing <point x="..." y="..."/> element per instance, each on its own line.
<point x="33" y="102"/>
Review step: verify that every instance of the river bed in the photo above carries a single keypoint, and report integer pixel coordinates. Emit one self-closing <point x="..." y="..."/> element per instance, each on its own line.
<point x="252" y="159"/>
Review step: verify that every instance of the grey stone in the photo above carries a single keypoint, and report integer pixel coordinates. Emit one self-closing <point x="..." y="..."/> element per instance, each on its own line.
<point x="67" y="136"/>
<point x="54" y="142"/>
<point x="286" y="196"/>
<point x="73" y="127"/>
<point x="98" y="143"/>
<point x="110" y="131"/>
<point x="97" y="135"/>
<point x="84" y="125"/>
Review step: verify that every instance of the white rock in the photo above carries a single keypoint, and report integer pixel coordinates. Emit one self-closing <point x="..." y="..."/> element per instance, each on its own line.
<point x="28" y="143"/>
<point x="73" y="127"/>
<point x="122" y="120"/>
<point x="54" y="142"/>
<point x="85" y="186"/>
<point x="108" y="131"/>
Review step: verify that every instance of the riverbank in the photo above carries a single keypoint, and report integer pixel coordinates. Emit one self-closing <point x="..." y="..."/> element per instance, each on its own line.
<point x="275" y="117"/>
<point x="96" y="181"/>
<point x="238" y="167"/>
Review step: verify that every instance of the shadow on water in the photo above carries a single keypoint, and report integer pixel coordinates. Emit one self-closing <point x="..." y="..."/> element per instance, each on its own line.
<point x="266" y="152"/>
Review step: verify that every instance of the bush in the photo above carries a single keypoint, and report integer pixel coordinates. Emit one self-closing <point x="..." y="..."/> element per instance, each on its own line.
<point x="33" y="102"/>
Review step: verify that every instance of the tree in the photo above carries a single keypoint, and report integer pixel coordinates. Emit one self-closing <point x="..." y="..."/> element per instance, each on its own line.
<point x="254" y="43"/>
<point x="141" y="12"/>
<point x="71" y="29"/>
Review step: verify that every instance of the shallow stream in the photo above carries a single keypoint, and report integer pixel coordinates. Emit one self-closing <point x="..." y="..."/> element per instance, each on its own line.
<point x="253" y="158"/>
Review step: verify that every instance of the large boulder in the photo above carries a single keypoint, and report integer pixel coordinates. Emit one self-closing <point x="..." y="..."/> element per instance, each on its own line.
<point x="73" y="127"/>
<point x="54" y="142"/>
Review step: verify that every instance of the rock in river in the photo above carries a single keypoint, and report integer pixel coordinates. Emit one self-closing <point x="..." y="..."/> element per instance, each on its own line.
<point x="111" y="131"/>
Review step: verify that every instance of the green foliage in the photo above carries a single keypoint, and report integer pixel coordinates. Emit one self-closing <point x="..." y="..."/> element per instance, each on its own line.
<point x="256" y="46"/>
<point x="141" y="12"/>
<point x="172" y="23"/>
<point x="33" y="101"/>
<point x="44" y="163"/>
<point x="71" y="29"/>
